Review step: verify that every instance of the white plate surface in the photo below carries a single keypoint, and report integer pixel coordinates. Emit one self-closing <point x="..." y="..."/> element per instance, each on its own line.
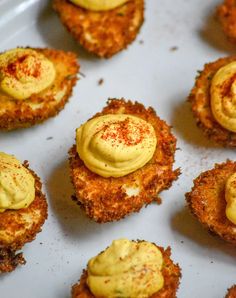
<point x="149" y="72"/>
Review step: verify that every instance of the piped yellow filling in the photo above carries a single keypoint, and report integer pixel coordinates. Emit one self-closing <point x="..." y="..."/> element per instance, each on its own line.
<point x="24" y="72"/>
<point x="230" y="196"/>
<point x="99" y="5"/>
<point x="223" y="96"/>
<point x="16" y="184"/>
<point x="126" y="269"/>
<point x="115" y="145"/>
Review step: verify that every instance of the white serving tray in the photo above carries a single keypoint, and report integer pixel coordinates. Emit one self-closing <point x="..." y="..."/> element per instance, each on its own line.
<point x="149" y="72"/>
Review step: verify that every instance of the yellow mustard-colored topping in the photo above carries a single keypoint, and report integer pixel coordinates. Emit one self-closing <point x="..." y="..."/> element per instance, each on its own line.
<point x="115" y="145"/>
<point x="16" y="184"/>
<point x="24" y="72"/>
<point x="230" y="197"/>
<point x="126" y="269"/>
<point x="223" y="96"/>
<point x="99" y="5"/>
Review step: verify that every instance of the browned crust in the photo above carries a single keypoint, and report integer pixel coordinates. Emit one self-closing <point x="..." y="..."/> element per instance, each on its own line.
<point x="226" y="13"/>
<point x="13" y="222"/>
<point x="200" y="104"/>
<point x="102" y="33"/>
<point x="9" y="260"/>
<point x="207" y="200"/>
<point x="231" y="292"/>
<point x="18" y="114"/>
<point x="171" y="273"/>
<point x="105" y="199"/>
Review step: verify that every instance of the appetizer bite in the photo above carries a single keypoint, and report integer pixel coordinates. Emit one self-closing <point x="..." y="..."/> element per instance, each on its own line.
<point x="231" y="292"/>
<point x="213" y="101"/>
<point x="213" y="200"/>
<point x="23" y="209"/>
<point x="35" y="84"/>
<point x="226" y="14"/>
<point x="122" y="159"/>
<point x="130" y="269"/>
<point x="102" y="27"/>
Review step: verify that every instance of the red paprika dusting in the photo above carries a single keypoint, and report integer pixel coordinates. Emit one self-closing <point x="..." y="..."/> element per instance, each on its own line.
<point x="21" y="65"/>
<point x="227" y="85"/>
<point x="127" y="132"/>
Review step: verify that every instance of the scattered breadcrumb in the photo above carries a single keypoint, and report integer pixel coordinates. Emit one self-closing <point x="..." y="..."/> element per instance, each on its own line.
<point x="173" y="49"/>
<point x="82" y="74"/>
<point x="100" y="82"/>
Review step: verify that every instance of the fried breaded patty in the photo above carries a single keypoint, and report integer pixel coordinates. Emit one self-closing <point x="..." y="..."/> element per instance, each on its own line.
<point x="201" y="105"/>
<point x="207" y="200"/>
<point x="171" y="273"/>
<point x="231" y="292"/>
<point x="226" y="14"/>
<point x="108" y="199"/>
<point x="18" y="227"/>
<point x="47" y="103"/>
<point x="102" y="33"/>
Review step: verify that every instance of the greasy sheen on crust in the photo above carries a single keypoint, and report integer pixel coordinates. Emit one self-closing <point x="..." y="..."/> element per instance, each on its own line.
<point x="18" y="227"/>
<point x="105" y="199"/>
<point x="226" y="13"/>
<point x="47" y="103"/>
<point x="207" y="201"/>
<point x="200" y="104"/>
<point x="231" y="292"/>
<point x="102" y="33"/>
<point x="171" y="273"/>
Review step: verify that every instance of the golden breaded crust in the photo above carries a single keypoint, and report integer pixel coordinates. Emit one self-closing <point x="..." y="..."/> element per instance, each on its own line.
<point x="231" y="292"/>
<point x="171" y="273"/>
<point x="201" y="106"/>
<point x="207" y="200"/>
<point x="102" y="33"/>
<point x="24" y="113"/>
<point x="106" y="199"/>
<point x="18" y="227"/>
<point x="226" y="14"/>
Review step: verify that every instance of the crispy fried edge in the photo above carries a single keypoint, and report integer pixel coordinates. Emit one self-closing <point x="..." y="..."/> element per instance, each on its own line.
<point x="210" y="186"/>
<point x="171" y="273"/>
<point x="9" y="260"/>
<point x="200" y="105"/>
<point x="8" y="257"/>
<point x="98" y="206"/>
<point x="107" y="44"/>
<point x="231" y="292"/>
<point x="22" y="115"/>
<point x="226" y="14"/>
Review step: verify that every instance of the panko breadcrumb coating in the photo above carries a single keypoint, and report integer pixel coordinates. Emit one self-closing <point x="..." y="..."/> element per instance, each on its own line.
<point x="201" y="106"/>
<point x="18" y="227"/>
<point x="108" y="199"/>
<point x="226" y="14"/>
<point x="207" y="201"/>
<point x="103" y="33"/>
<point x="47" y="103"/>
<point x="231" y="292"/>
<point x="171" y="273"/>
